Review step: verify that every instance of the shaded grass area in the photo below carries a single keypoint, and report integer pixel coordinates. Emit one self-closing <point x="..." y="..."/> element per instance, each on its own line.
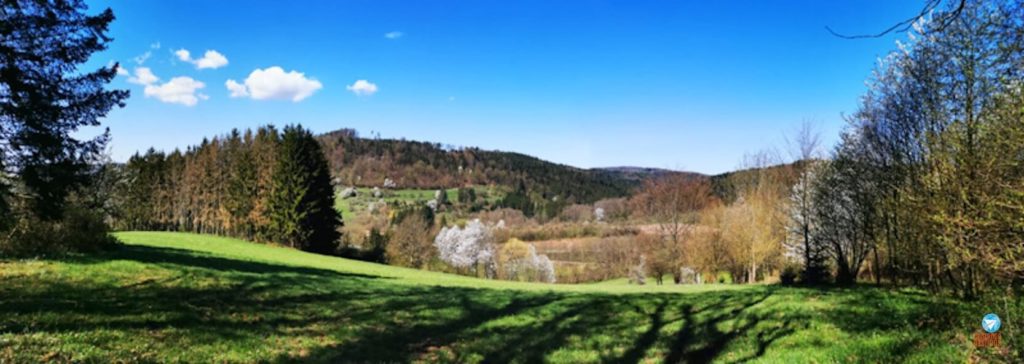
<point x="176" y="298"/>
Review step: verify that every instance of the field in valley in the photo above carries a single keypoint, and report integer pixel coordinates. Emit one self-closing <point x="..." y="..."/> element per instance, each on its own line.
<point x="175" y="297"/>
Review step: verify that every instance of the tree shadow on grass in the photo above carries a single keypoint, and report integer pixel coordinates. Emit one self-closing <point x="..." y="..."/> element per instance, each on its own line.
<point x="706" y="330"/>
<point x="186" y="258"/>
<point x="319" y="315"/>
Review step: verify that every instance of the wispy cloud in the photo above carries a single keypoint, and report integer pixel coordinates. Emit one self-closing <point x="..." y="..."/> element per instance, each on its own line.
<point x="393" y="35"/>
<point x="141" y="59"/>
<point x="211" y="59"/>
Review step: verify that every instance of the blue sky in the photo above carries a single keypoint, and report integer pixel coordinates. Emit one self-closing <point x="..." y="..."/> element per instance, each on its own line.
<point x="683" y="85"/>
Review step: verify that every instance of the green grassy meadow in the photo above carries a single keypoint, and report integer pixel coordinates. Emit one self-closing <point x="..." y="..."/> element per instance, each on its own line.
<point x="350" y="207"/>
<point x="175" y="297"/>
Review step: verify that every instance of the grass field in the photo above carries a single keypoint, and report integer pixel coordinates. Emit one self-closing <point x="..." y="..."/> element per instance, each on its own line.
<point x="172" y="297"/>
<point x="351" y="206"/>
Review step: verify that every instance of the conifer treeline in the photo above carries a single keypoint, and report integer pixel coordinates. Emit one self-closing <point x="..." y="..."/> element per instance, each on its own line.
<point x="266" y="186"/>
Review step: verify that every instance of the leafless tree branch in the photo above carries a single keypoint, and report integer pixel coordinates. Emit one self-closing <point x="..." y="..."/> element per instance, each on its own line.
<point x="905" y="25"/>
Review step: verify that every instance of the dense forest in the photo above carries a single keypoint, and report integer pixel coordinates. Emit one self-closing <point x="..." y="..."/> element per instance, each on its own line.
<point x="266" y="186"/>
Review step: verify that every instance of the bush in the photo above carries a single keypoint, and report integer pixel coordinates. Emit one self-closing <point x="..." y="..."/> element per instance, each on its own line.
<point x="80" y="230"/>
<point x="789" y="274"/>
<point x="411" y="244"/>
<point x="724" y="277"/>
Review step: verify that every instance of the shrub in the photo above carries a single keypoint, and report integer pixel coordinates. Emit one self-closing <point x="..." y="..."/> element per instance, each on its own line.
<point x="637" y="274"/>
<point x="724" y="277"/>
<point x="79" y="230"/>
<point x="520" y="261"/>
<point x="410" y="244"/>
<point x="789" y="274"/>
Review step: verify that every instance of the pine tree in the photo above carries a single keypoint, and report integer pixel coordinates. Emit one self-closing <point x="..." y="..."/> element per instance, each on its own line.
<point x="45" y="100"/>
<point x="302" y="213"/>
<point x="241" y="188"/>
<point x="264" y="154"/>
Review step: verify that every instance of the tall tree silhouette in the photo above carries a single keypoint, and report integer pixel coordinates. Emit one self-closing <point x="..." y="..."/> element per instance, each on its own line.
<point x="302" y="213"/>
<point x="44" y="98"/>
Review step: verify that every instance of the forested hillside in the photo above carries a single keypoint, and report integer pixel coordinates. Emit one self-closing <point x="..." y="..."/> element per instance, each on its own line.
<point x="366" y="162"/>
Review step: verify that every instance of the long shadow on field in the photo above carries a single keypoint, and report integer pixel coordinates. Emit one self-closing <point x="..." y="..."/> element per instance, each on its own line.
<point x="186" y="258"/>
<point x="706" y="331"/>
<point x="198" y="305"/>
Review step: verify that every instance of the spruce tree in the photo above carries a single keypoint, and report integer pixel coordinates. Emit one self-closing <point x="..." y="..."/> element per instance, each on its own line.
<point x="302" y="213"/>
<point x="44" y="99"/>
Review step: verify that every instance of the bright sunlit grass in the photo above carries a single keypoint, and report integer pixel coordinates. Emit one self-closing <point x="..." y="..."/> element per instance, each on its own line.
<point x="172" y="297"/>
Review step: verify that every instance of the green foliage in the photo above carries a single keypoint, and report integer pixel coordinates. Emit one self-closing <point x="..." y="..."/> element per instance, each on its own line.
<point x="77" y="230"/>
<point x="45" y="100"/>
<point x="519" y="200"/>
<point x="466" y="195"/>
<point x="301" y="208"/>
<point x="724" y="277"/>
<point x="190" y="298"/>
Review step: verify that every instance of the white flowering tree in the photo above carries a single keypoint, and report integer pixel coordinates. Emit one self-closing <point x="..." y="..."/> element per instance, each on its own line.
<point x="471" y="247"/>
<point x="543" y="267"/>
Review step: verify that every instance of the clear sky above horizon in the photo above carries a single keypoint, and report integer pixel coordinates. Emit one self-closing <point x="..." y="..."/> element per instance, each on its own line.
<point x="681" y="85"/>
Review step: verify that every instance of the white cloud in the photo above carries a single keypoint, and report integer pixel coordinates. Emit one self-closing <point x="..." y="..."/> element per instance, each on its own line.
<point x="393" y="35"/>
<point x="362" y="88"/>
<point x="274" y="83"/>
<point x="155" y="45"/>
<point x="179" y="90"/>
<point x="143" y="76"/>
<point x="140" y="59"/>
<point x="182" y="54"/>
<point x="211" y="59"/>
<point x="237" y="89"/>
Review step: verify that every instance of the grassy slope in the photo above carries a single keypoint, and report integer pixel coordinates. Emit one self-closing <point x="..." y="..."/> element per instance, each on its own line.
<point x="191" y="298"/>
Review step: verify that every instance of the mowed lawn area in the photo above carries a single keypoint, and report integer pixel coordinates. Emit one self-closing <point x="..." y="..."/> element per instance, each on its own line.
<point x="173" y="297"/>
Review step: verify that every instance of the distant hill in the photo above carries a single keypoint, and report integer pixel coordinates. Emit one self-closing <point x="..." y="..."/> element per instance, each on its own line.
<point x="639" y="174"/>
<point x="366" y="162"/>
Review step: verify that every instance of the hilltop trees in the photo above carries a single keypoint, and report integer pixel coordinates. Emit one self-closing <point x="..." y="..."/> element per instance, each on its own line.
<point x="265" y="186"/>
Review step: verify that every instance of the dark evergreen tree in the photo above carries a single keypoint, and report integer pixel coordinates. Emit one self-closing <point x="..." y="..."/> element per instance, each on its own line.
<point x="302" y="213"/>
<point x="241" y="189"/>
<point x="44" y="99"/>
<point x="519" y="200"/>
